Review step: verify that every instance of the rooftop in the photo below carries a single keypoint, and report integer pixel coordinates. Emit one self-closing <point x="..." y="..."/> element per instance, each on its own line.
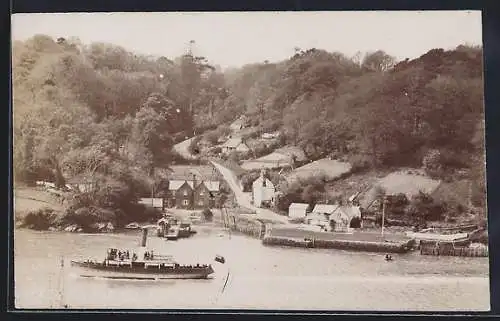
<point x="325" y="208"/>
<point x="299" y="206"/>
<point x="202" y="172"/>
<point x="233" y="142"/>
<point x="212" y="186"/>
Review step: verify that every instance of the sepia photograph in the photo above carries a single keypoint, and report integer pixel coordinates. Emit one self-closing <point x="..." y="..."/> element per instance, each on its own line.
<point x="313" y="161"/>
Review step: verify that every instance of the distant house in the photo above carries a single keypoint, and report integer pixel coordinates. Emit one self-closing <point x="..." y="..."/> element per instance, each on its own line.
<point x="242" y="148"/>
<point x="82" y="184"/>
<point x="238" y="124"/>
<point x="263" y="191"/>
<point x="191" y="194"/>
<point x="298" y="210"/>
<point x="344" y="218"/>
<point x="152" y="202"/>
<point x="234" y="144"/>
<point x="270" y="135"/>
<point x="320" y="215"/>
<point x="317" y="219"/>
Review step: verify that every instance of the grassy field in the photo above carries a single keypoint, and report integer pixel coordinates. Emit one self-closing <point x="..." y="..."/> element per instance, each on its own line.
<point x="409" y="182"/>
<point x="332" y="169"/>
<point x="279" y="158"/>
<point x="28" y="199"/>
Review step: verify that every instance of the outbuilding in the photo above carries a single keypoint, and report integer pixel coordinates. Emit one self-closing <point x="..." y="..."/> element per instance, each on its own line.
<point x="298" y="210"/>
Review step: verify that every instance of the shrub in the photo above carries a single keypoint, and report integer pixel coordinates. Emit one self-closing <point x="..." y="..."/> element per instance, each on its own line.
<point x="359" y="163"/>
<point x="208" y="215"/>
<point x="193" y="147"/>
<point x="212" y="137"/>
<point x="312" y="193"/>
<point x="431" y="162"/>
<point x="86" y="217"/>
<point x="40" y="220"/>
<point x="424" y="208"/>
<point x="247" y="179"/>
<point x="270" y="125"/>
<point x="355" y="222"/>
<point x="234" y="156"/>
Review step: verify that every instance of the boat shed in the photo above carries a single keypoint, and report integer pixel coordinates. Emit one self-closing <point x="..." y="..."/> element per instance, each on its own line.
<point x="298" y="210"/>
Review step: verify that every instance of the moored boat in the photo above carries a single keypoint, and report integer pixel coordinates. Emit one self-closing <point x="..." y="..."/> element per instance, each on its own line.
<point x="172" y="233"/>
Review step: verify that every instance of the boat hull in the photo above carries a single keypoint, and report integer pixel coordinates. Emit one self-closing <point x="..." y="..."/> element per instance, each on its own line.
<point x="100" y="270"/>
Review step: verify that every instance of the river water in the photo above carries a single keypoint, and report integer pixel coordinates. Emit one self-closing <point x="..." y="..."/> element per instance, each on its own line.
<point x="259" y="277"/>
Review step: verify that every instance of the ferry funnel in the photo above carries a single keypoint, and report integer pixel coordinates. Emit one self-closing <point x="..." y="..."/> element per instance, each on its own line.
<point x="144" y="237"/>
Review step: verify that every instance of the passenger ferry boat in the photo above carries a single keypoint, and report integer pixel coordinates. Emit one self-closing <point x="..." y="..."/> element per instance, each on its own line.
<point x="140" y="264"/>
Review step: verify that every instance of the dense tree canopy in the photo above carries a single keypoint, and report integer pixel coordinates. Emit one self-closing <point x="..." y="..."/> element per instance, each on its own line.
<point x="87" y="108"/>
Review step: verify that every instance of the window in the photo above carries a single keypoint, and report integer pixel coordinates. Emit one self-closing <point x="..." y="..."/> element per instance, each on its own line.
<point x="200" y="203"/>
<point x="185" y="202"/>
<point x="201" y="193"/>
<point x="185" y="192"/>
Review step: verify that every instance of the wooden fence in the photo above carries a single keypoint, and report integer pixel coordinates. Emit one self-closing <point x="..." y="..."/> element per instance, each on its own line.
<point x="452" y="250"/>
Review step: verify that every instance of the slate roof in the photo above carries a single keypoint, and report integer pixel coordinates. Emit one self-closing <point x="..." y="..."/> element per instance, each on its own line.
<point x="324" y="208"/>
<point x="212" y="186"/>
<point x="232" y="142"/>
<point x="299" y="206"/>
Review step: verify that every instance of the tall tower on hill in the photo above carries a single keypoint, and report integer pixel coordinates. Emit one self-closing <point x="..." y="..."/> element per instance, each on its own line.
<point x="189" y="49"/>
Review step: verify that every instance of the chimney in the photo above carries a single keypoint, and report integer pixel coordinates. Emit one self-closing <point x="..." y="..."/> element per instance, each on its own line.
<point x="263" y="176"/>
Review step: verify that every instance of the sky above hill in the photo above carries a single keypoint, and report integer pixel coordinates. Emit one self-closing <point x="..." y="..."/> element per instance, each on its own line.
<point x="232" y="39"/>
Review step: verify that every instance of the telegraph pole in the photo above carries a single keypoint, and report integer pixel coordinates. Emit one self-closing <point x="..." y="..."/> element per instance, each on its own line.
<point x="383" y="215"/>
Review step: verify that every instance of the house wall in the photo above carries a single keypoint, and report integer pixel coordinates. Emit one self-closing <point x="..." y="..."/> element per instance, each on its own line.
<point x="262" y="193"/>
<point x="341" y="222"/>
<point x="242" y="148"/>
<point x="184" y="197"/>
<point x="202" y="198"/>
<point x="296" y="213"/>
<point x="227" y="150"/>
<point x="317" y="219"/>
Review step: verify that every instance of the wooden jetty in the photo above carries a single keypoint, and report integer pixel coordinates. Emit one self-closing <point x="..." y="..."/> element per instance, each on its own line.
<point x="452" y="249"/>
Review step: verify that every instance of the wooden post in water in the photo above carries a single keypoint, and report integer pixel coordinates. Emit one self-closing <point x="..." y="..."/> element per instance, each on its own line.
<point x="61" y="285"/>
<point x="144" y="236"/>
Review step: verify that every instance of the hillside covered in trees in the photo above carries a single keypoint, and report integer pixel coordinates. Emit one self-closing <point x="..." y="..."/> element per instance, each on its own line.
<point x="99" y="110"/>
<point x="374" y="112"/>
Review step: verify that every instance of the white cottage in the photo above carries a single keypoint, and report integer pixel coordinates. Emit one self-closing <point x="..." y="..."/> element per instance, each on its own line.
<point x="234" y="144"/>
<point x="352" y="214"/>
<point x="298" y="210"/>
<point x="320" y="215"/>
<point x="263" y="191"/>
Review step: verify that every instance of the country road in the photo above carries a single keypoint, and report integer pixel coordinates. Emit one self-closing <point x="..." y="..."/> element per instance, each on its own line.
<point x="243" y="200"/>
